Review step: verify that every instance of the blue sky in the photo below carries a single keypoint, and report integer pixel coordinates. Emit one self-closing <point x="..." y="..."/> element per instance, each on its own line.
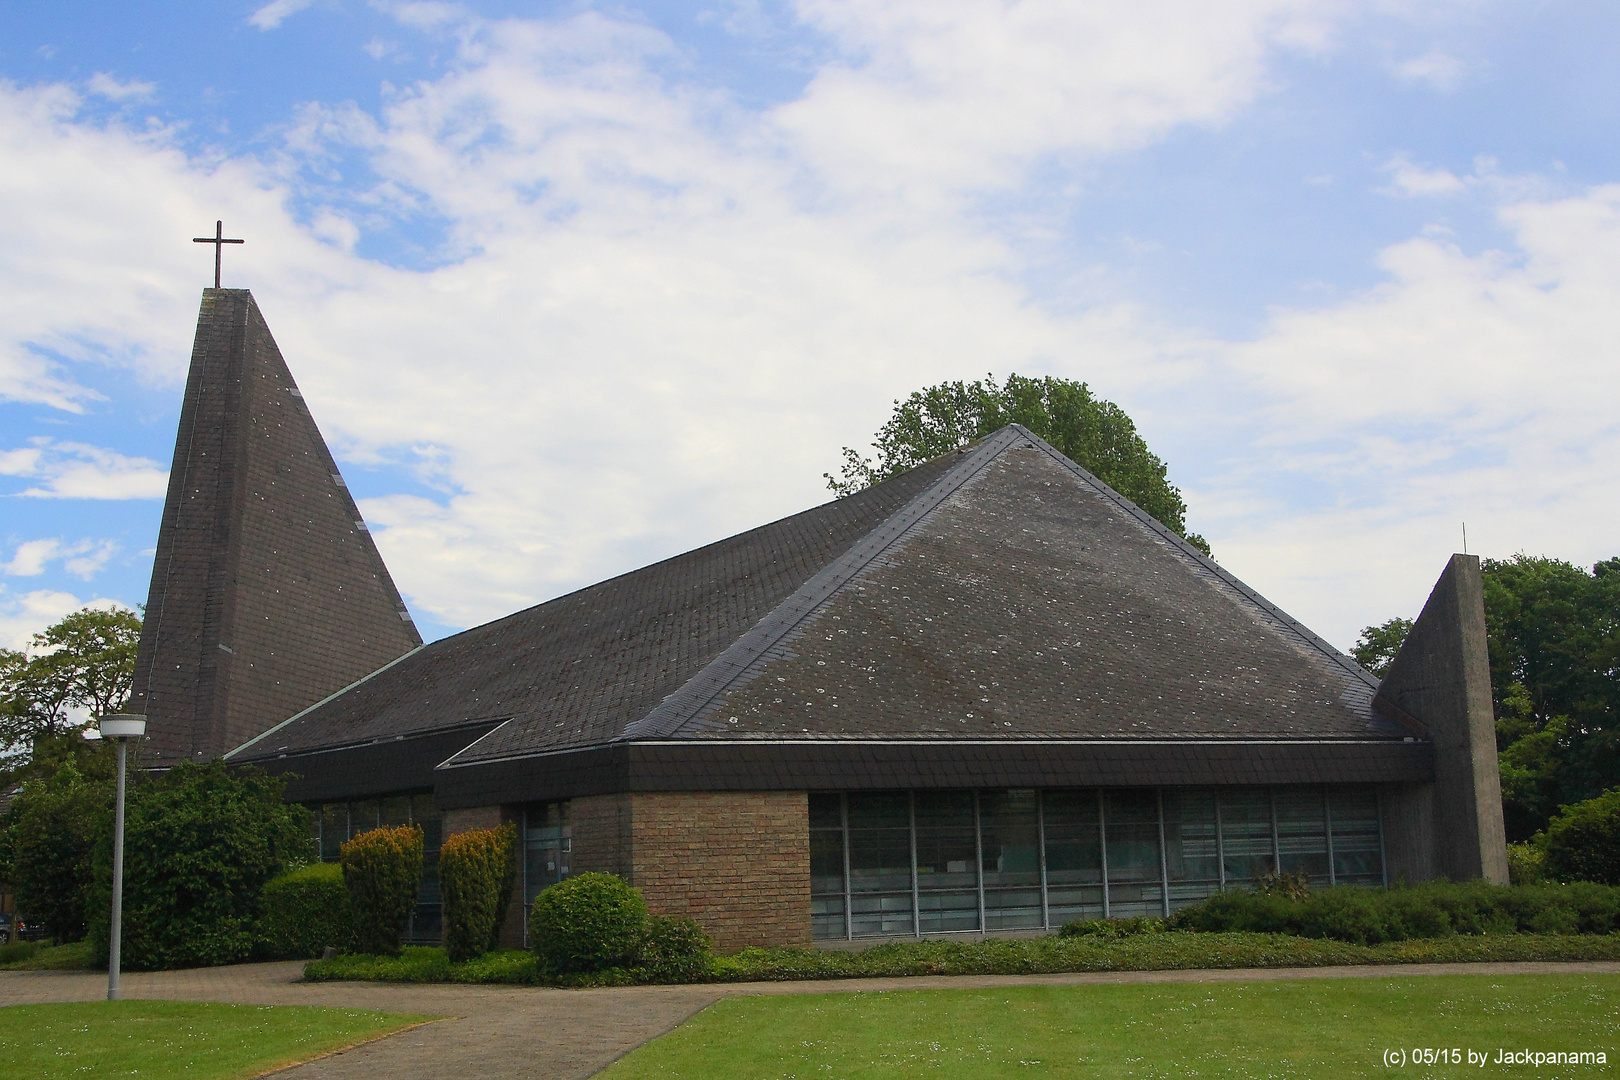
<point x="572" y="287"/>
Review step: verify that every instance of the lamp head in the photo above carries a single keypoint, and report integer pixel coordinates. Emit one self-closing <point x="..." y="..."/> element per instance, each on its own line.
<point x="123" y="726"/>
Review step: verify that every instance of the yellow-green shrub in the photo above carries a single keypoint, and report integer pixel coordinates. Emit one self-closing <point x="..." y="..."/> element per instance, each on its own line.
<point x="382" y="871"/>
<point x="476" y="872"/>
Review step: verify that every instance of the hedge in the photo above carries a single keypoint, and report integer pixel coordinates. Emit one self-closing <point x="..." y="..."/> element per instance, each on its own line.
<point x="303" y="912"/>
<point x="587" y="923"/>
<point x="476" y="873"/>
<point x="382" y="871"/>
<point x="1431" y="910"/>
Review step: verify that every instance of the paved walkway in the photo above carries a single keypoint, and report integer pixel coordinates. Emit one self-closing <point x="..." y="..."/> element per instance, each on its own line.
<point x="502" y="1032"/>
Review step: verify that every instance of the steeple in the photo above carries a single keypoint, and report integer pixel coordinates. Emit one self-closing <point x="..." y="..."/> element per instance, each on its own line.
<point x="267" y="591"/>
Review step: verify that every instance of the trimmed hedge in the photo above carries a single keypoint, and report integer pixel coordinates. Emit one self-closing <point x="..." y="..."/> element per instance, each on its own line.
<point x="1005" y="956"/>
<point x="303" y="912"/>
<point x="382" y="871"/>
<point x="587" y="923"/>
<point x="1431" y="910"/>
<point x="1583" y="841"/>
<point x="476" y="873"/>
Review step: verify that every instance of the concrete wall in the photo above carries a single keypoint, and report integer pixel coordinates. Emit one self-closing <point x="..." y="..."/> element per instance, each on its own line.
<point x="1440" y="683"/>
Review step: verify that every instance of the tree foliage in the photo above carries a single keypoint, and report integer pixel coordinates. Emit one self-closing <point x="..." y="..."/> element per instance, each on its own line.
<point x="1583" y="841"/>
<point x="1095" y="433"/>
<point x="84" y="661"/>
<point x="49" y="836"/>
<point x="1376" y="647"/>
<point x="200" y="841"/>
<point x="1554" y="637"/>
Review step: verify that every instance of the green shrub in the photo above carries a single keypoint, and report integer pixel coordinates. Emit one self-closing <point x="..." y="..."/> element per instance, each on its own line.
<point x="476" y="873"/>
<point x="200" y="841"/>
<point x="1432" y="910"/>
<point x="1527" y="863"/>
<point x="302" y="912"/>
<point x="674" y="950"/>
<point x="1112" y="928"/>
<point x="54" y="826"/>
<point x="587" y="923"/>
<point x="18" y="951"/>
<point x="1583" y="841"/>
<point x="382" y="871"/>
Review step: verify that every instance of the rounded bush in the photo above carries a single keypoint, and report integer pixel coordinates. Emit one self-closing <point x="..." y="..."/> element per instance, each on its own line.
<point x="382" y="871"/>
<point x="675" y="949"/>
<point x="587" y="923"/>
<point x="476" y="873"/>
<point x="1583" y="841"/>
<point x="303" y="912"/>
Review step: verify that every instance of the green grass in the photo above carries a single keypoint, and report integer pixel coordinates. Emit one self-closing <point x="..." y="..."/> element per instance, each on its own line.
<point x="1020" y="956"/>
<point x="1331" y="1028"/>
<point x="29" y="956"/>
<point x="194" y="1041"/>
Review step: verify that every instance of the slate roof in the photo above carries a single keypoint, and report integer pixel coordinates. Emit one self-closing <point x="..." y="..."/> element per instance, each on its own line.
<point x="1002" y="594"/>
<point x="267" y="592"/>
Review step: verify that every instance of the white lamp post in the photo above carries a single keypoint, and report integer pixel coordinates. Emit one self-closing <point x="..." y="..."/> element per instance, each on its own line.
<point x="120" y="727"/>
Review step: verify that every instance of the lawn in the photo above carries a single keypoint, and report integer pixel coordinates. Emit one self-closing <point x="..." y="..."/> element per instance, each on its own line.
<point x="194" y="1041"/>
<point x="1336" y="1028"/>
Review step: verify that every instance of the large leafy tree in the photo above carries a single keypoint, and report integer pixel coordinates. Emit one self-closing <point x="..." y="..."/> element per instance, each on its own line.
<point x="48" y="837"/>
<point x="1554" y="636"/>
<point x="86" y="661"/>
<point x="1095" y="433"/>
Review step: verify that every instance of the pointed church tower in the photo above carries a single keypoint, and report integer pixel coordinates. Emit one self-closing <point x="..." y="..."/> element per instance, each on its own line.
<point x="267" y="591"/>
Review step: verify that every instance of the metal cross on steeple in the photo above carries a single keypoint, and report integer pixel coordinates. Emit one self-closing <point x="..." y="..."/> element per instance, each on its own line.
<point x="218" y="240"/>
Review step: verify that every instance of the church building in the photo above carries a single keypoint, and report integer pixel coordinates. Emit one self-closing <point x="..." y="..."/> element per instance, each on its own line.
<point x="987" y="695"/>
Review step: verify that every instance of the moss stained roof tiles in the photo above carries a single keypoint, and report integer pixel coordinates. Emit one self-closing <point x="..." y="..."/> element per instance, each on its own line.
<point x="998" y="594"/>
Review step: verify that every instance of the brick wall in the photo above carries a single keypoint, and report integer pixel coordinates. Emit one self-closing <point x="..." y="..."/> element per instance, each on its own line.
<point x="737" y="862"/>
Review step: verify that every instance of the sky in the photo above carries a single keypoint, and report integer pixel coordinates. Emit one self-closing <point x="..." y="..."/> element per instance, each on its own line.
<point x="573" y="287"/>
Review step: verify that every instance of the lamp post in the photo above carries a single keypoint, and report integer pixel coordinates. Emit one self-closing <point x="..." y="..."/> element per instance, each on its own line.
<point x="120" y="727"/>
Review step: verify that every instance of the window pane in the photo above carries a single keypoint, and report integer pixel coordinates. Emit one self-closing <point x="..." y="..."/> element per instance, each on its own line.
<point x="1246" y="834"/>
<point x="362" y="816"/>
<point x="1302" y="833"/>
<point x="425" y="814"/>
<point x="826" y="812"/>
<point x="947" y="861"/>
<point x="396" y="810"/>
<point x="1356" y="856"/>
<point x="826" y="861"/>
<point x="1131" y="821"/>
<point x="1073" y="856"/>
<point x="880" y="864"/>
<point x="1189" y="846"/>
<point x="1009" y="826"/>
<point x="334" y="830"/>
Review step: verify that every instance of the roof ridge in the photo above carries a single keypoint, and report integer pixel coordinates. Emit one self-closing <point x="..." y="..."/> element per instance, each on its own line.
<point x="700" y="691"/>
<point x="1204" y="562"/>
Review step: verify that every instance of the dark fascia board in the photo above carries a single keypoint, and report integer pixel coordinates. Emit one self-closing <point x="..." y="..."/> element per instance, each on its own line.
<point x="401" y="763"/>
<point x="865" y="765"/>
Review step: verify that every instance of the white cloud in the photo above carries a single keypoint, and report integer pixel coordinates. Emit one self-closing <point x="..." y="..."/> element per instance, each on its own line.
<point x="274" y="13"/>
<point x="1412" y="180"/>
<point x="83" y="558"/>
<point x="22" y="615"/>
<point x="1439" y="70"/>
<point x="666" y="312"/>
<point x="71" y="470"/>
<point x="104" y="85"/>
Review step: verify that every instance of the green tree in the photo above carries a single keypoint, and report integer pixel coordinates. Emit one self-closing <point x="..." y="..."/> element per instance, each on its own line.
<point x="50" y="838"/>
<point x="1553" y="631"/>
<point x="1094" y="433"/>
<point x="84" y="661"/>
<point x="200" y="841"/>
<point x="1376" y="647"/>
